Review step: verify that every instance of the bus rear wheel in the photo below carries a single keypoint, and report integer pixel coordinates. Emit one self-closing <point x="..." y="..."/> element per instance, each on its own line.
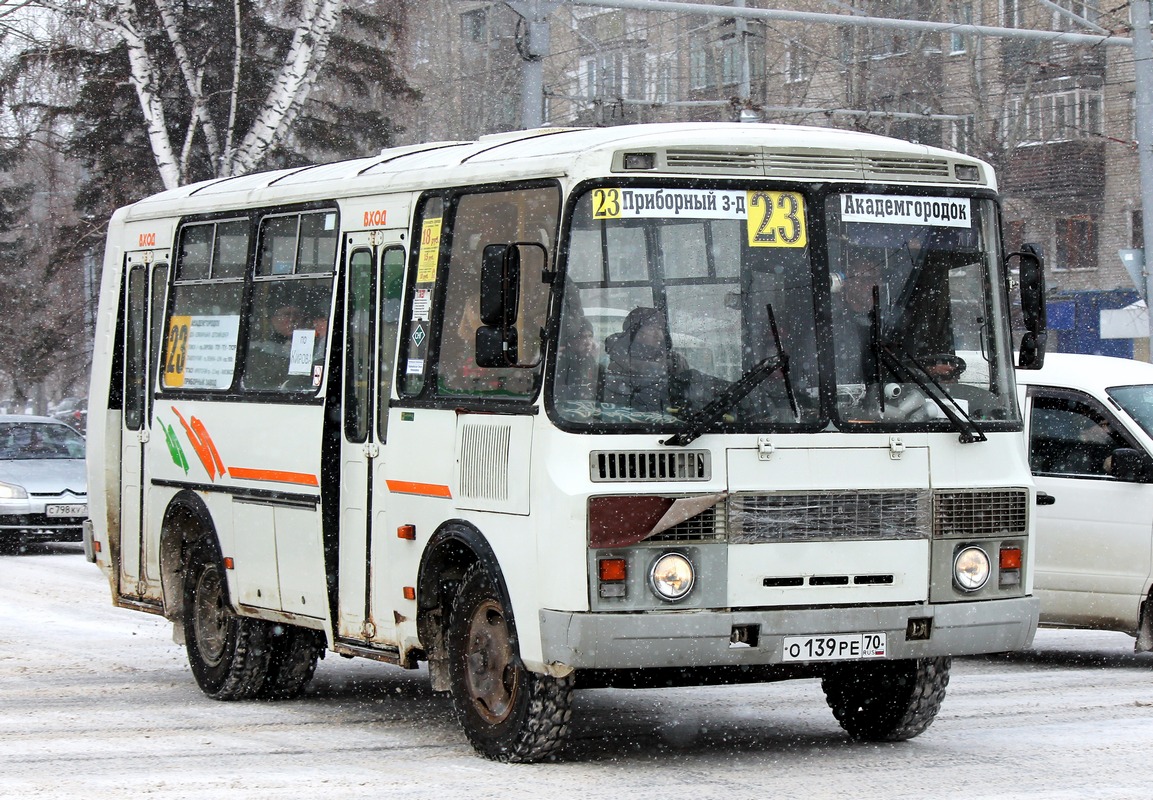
<point x="229" y="655"/>
<point x="886" y="701"/>
<point x="507" y="712"/>
<point x="293" y="653"/>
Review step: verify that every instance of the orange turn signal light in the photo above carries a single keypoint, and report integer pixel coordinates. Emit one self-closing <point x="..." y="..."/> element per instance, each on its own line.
<point x="611" y="570"/>
<point x="1010" y="558"/>
<point x="406" y="532"/>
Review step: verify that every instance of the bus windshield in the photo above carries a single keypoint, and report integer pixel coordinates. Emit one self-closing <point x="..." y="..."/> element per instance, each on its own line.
<point x="673" y="295"/>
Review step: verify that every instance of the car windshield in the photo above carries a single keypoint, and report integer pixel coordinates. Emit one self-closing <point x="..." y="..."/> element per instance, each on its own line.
<point x="25" y="441"/>
<point x="1137" y="401"/>
<point x="674" y="295"/>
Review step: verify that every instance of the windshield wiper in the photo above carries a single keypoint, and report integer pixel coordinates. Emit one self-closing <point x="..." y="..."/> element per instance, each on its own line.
<point x="969" y="432"/>
<point x="698" y="423"/>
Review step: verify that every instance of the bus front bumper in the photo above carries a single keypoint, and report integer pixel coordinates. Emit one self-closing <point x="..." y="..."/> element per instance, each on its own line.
<point x="703" y="638"/>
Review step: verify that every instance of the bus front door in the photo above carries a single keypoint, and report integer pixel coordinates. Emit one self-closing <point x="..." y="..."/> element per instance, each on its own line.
<point x="372" y="305"/>
<point x="143" y="313"/>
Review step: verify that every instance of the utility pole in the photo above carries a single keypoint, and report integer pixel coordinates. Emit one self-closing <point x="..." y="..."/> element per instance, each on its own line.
<point x="1143" y="83"/>
<point x="533" y="47"/>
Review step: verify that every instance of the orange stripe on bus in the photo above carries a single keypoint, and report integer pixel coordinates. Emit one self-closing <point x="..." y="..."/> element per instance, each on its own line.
<point x="425" y="489"/>
<point x="274" y="475"/>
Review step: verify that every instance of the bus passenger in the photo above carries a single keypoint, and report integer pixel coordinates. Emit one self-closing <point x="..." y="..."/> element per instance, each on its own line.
<point x="578" y="356"/>
<point x="268" y="359"/>
<point x="643" y="369"/>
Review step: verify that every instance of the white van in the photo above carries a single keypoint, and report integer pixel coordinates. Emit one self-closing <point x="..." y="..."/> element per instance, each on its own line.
<point x="1089" y="428"/>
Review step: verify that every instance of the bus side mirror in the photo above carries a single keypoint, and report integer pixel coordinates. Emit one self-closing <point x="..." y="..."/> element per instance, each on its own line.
<point x="496" y="341"/>
<point x="499" y="284"/>
<point x="1032" y="266"/>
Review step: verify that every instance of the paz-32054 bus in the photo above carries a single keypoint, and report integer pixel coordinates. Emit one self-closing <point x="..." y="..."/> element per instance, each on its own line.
<point x="562" y="408"/>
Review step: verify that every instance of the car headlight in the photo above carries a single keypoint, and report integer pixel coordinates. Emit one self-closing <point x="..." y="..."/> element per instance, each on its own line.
<point x="10" y="491"/>
<point x="671" y="576"/>
<point x="971" y="569"/>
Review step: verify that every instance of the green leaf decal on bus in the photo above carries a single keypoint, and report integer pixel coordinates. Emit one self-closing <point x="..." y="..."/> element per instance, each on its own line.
<point x="174" y="448"/>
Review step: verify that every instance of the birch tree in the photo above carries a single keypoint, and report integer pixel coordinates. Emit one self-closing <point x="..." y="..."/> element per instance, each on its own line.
<point x="135" y="96"/>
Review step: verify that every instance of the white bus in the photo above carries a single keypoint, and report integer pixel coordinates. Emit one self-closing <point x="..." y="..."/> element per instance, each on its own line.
<point x="359" y="408"/>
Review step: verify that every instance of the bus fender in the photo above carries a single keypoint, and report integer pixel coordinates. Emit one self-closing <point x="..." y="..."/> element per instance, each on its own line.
<point x="186" y="520"/>
<point x="451" y="550"/>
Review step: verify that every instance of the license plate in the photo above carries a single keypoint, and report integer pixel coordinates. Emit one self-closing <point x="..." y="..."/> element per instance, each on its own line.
<point x="66" y="510"/>
<point x="835" y="647"/>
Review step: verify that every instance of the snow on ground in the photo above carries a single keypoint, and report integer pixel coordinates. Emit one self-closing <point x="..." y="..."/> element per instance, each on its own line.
<point x="97" y="702"/>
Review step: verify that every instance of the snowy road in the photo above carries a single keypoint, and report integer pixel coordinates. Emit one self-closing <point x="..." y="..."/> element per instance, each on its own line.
<point x="97" y="702"/>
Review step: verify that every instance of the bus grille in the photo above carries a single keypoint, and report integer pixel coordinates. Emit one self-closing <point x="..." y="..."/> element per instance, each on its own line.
<point x="708" y="526"/>
<point x="484" y="458"/>
<point x="829" y="516"/>
<point x="608" y="466"/>
<point x="997" y="512"/>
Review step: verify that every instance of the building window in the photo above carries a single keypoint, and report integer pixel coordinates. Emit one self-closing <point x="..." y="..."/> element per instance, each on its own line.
<point x="961" y="134"/>
<point x="700" y="67"/>
<point x="1137" y="237"/>
<point x="959" y="42"/>
<point x="1076" y="243"/>
<point x="730" y="63"/>
<point x="796" y="62"/>
<point x="474" y="25"/>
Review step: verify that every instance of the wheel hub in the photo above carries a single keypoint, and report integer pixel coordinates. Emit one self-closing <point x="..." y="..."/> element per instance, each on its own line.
<point x="210" y="619"/>
<point x="490" y="663"/>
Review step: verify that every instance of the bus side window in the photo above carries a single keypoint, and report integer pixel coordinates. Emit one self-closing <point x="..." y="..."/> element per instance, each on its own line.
<point x="291" y="300"/>
<point x="202" y="328"/>
<point x="523" y="215"/>
<point x="391" y="285"/>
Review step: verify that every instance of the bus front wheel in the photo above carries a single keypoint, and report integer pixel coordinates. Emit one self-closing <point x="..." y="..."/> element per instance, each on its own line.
<point x="886" y="701"/>
<point x="229" y="655"/>
<point x="507" y="712"/>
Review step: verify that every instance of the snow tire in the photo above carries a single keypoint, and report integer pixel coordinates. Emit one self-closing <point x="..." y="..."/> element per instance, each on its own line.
<point x="887" y="701"/>
<point x="229" y="654"/>
<point x="507" y="712"/>
<point x="293" y="653"/>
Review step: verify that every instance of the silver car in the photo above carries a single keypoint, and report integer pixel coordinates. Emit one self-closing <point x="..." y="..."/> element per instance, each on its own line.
<point x="43" y="488"/>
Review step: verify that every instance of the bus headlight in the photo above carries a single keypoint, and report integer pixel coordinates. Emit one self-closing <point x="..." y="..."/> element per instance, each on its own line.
<point x="971" y="569"/>
<point x="671" y="576"/>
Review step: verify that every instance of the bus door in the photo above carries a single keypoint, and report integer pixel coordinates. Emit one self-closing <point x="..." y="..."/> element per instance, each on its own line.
<point x="375" y="266"/>
<point x="143" y="315"/>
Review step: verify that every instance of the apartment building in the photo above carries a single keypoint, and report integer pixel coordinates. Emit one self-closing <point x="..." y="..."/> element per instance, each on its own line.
<point x="1056" y="119"/>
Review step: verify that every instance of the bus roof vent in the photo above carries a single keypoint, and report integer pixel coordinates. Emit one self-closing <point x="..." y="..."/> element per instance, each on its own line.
<point x="909" y="169"/>
<point x="720" y="161"/>
<point x="813" y="164"/>
<point x="620" y="466"/>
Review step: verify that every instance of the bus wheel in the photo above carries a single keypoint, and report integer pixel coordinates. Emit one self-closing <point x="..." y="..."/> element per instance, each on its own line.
<point x="507" y="712"/>
<point x="887" y="701"/>
<point x="228" y="654"/>
<point x="293" y="652"/>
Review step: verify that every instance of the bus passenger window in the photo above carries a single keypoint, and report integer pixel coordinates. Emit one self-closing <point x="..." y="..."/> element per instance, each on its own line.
<point x="291" y="301"/>
<point x="203" y="326"/>
<point x="287" y="335"/>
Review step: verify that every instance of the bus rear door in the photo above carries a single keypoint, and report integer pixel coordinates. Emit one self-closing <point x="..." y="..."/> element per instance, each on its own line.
<point x="143" y="313"/>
